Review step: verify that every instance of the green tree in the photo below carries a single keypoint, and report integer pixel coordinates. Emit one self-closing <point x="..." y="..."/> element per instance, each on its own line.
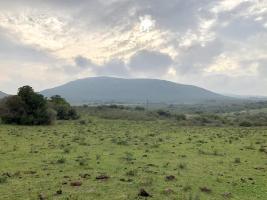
<point x="12" y="110"/>
<point x="63" y="108"/>
<point x="27" y="108"/>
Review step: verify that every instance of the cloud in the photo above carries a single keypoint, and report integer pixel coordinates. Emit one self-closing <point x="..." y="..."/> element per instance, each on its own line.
<point x="12" y="50"/>
<point x="262" y="68"/>
<point x="184" y="41"/>
<point x="113" y="68"/>
<point x="143" y="62"/>
<point x="150" y="62"/>
<point x="196" y="58"/>
<point x="84" y="65"/>
<point x="83" y="62"/>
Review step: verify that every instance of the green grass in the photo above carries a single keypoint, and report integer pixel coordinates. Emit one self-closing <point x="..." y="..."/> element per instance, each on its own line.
<point x="207" y="163"/>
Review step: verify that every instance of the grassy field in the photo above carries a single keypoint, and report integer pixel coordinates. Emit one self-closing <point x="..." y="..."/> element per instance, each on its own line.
<point x="114" y="159"/>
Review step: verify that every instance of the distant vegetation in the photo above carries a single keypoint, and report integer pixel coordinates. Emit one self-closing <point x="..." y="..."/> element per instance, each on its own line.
<point x="31" y="108"/>
<point x="131" y="151"/>
<point x="248" y="117"/>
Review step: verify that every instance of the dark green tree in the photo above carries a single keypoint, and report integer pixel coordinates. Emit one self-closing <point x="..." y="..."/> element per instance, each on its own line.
<point x="27" y="108"/>
<point x="12" y="110"/>
<point x="63" y="108"/>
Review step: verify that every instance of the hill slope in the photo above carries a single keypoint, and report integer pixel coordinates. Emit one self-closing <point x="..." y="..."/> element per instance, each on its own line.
<point x="2" y="95"/>
<point x="106" y="89"/>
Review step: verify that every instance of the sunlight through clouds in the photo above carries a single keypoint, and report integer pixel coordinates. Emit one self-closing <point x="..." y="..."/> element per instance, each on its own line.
<point x="146" y="23"/>
<point x="202" y="39"/>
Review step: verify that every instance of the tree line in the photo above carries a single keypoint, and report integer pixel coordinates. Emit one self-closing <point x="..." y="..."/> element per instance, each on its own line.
<point x="31" y="108"/>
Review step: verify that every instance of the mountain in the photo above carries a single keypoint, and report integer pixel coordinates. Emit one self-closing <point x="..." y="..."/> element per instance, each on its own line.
<point x="118" y="90"/>
<point x="2" y="95"/>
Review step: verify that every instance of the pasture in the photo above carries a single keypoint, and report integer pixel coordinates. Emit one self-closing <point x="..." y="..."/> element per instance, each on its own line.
<point x="123" y="160"/>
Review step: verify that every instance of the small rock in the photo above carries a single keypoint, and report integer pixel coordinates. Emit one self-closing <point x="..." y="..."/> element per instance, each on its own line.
<point x="76" y="183"/>
<point x="102" y="177"/>
<point x="59" y="192"/>
<point x="143" y="193"/>
<point x="205" y="189"/>
<point x="170" y="178"/>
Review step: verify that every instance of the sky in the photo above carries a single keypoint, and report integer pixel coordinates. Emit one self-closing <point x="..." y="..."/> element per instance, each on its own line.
<point x="220" y="45"/>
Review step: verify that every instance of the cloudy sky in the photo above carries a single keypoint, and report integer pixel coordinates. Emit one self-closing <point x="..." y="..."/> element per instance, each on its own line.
<point x="217" y="44"/>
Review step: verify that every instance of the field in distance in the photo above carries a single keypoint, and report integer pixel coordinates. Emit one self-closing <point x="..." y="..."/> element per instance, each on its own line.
<point x="119" y="159"/>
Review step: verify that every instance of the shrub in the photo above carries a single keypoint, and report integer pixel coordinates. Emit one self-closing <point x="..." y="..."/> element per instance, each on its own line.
<point x="245" y="124"/>
<point x="237" y="160"/>
<point x="26" y="108"/>
<point x="163" y="113"/>
<point x="61" y="160"/>
<point x="82" y="122"/>
<point x="63" y="108"/>
<point x="180" y="117"/>
<point x="3" y="179"/>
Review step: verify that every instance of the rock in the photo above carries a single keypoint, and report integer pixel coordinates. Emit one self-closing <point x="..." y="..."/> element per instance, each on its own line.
<point x="59" y="192"/>
<point x="170" y="178"/>
<point x="102" y="177"/>
<point x="205" y="189"/>
<point x="143" y="193"/>
<point x="76" y="183"/>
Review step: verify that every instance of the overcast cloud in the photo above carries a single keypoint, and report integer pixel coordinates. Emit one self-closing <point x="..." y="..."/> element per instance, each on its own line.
<point x="219" y="45"/>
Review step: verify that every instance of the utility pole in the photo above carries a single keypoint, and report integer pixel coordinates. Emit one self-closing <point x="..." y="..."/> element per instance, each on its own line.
<point x="147" y="103"/>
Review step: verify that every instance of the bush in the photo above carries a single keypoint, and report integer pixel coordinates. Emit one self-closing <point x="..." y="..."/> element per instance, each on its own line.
<point x="3" y="179"/>
<point x="82" y="122"/>
<point x="245" y="124"/>
<point x="73" y="114"/>
<point x="164" y="113"/>
<point x="26" y="108"/>
<point x="63" y="108"/>
<point x="180" y="117"/>
<point x="30" y="108"/>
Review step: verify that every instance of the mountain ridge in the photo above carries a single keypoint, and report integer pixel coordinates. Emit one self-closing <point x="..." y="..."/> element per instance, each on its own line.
<point x="2" y="94"/>
<point x="110" y="89"/>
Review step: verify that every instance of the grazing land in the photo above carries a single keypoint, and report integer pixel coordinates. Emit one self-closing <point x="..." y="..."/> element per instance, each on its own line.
<point x="96" y="158"/>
